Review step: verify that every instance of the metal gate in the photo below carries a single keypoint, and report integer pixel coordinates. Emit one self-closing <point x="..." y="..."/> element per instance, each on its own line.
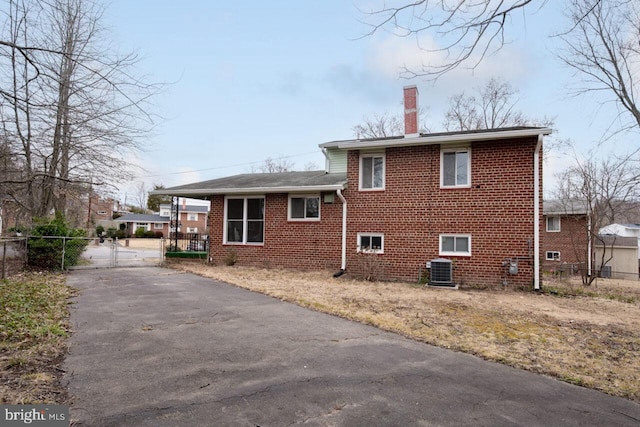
<point x="67" y="253"/>
<point x="110" y="253"/>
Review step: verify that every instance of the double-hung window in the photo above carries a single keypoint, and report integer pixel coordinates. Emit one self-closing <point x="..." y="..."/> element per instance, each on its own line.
<point x="303" y="208"/>
<point x="455" y="167"/>
<point x="372" y="171"/>
<point x="244" y="220"/>
<point x="553" y="224"/>
<point x="192" y="217"/>
<point x="455" y="244"/>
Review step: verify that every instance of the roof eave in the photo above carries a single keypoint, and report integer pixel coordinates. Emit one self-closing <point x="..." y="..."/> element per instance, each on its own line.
<point x="204" y="192"/>
<point x="440" y="139"/>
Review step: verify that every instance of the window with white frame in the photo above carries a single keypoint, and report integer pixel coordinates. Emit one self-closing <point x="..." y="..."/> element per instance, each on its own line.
<point x="165" y="213"/>
<point x="455" y="244"/>
<point x="372" y="171"/>
<point x="244" y="220"/>
<point x="304" y="208"/>
<point x="192" y="229"/>
<point x="158" y="225"/>
<point x="553" y="224"/>
<point x="371" y="243"/>
<point x="553" y="255"/>
<point x="192" y="217"/>
<point x="455" y="167"/>
<point x="102" y="212"/>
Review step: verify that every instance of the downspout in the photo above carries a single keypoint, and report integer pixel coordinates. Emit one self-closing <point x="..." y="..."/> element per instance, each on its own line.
<point x="343" y="264"/>
<point x="589" y="244"/>
<point x="536" y="214"/>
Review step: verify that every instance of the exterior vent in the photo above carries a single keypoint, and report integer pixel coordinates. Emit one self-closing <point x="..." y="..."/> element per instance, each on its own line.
<point x="605" y="273"/>
<point x="441" y="272"/>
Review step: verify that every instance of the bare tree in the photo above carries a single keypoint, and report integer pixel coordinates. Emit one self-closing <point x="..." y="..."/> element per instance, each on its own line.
<point x="385" y="125"/>
<point x="140" y="195"/>
<point x="492" y="106"/>
<point x="154" y="201"/>
<point x="603" y="48"/>
<point x="468" y="30"/>
<point x="605" y="187"/>
<point x="270" y="165"/>
<point x="71" y="109"/>
<point x="602" y="40"/>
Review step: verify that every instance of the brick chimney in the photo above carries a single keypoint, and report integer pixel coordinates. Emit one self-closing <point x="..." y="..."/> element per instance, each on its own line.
<point x="410" y="111"/>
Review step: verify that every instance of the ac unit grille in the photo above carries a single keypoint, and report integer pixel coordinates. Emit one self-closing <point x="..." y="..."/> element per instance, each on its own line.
<point x="441" y="272"/>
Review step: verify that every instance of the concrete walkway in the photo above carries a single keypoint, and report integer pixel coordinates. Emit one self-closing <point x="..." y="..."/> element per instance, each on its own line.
<point x="153" y="347"/>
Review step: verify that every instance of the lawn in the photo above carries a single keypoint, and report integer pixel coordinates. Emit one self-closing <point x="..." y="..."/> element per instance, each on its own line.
<point x="34" y="327"/>
<point x="585" y="336"/>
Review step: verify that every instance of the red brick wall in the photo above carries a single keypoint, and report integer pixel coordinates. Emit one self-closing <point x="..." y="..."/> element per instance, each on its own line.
<point x="570" y="241"/>
<point x="411" y="212"/>
<point x="308" y="245"/>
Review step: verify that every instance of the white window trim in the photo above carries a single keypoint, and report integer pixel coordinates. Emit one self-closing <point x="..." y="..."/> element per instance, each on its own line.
<point x="158" y="226"/>
<point x="244" y="221"/>
<point x="384" y="171"/>
<point x="371" y="251"/>
<point x="304" y="196"/>
<point x="195" y="217"/>
<point x="455" y="150"/>
<point x="559" y="224"/>
<point x="192" y="229"/>
<point x="546" y="255"/>
<point x="441" y="252"/>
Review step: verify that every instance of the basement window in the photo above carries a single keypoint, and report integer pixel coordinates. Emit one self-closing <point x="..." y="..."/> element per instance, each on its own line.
<point x="371" y="243"/>
<point x="553" y="256"/>
<point x="455" y="244"/>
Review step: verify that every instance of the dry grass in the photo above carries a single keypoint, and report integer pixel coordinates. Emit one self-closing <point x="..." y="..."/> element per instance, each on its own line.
<point x="34" y="327"/>
<point x="586" y="337"/>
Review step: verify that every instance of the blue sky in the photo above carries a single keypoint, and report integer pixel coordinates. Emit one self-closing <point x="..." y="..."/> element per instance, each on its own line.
<point x="256" y="79"/>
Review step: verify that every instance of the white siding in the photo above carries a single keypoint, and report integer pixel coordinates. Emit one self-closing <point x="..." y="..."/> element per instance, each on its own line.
<point x="336" y="161"/>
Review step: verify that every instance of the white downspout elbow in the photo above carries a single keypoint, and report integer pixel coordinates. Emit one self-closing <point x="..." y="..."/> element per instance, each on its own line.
<point x="343" y="264"/>
<point x="536" y="214"/>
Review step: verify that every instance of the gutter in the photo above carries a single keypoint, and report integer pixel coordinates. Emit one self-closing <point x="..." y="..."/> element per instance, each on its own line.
<point x="536" y="214"/>
<point x="356" y="144"/>
<point x="343" y="264"/>
<point x="204" y="192"/>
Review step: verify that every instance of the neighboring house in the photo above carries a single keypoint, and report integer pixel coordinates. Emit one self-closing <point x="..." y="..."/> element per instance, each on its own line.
<point x="145" y="221"/>
<point x="623" y="230"/>
<point x="468" y="205"/>
<point x="566" y="237"/>
<point x="623" y="252"/>
<point x="193" y="218"/>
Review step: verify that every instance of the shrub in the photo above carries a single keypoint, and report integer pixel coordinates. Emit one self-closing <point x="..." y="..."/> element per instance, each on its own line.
<point x="159" y="235"/>
<point x="140" y="232"/>
<point x="49" y="240"/>
<point x="150" y="234"/>
<point x="231" y="257"/>
<point x="99" y="230"/>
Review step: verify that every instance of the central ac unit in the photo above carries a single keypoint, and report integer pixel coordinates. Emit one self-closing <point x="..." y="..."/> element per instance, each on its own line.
<point x="441" y="272"/>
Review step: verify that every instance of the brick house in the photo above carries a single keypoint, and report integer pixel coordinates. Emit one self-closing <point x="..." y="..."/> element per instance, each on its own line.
<point x="193" y="218"/>
<point x="465" y="204"/>
<point x="565" y="243"/>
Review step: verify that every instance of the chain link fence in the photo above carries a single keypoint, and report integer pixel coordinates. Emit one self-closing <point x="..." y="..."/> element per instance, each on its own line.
<point x="13" y="255"/>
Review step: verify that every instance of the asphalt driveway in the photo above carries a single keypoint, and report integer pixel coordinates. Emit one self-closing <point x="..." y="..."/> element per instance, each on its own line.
<point x="154" y="347"/>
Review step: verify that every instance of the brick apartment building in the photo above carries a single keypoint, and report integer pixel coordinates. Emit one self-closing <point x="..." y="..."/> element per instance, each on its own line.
<point x="458" y="207"/>
<point x="565" y="244"/>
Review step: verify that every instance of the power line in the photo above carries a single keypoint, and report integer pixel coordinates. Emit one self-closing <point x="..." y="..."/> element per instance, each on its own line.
<point x="225" y="167"/>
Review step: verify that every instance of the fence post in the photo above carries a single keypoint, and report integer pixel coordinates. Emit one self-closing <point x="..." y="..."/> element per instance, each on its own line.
<point x="4" y="260"/>
<point x="64" y="244"/>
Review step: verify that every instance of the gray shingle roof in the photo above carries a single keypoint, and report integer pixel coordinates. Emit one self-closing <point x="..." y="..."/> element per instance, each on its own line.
<point x="564" y="207"/>
<point x="283" y="182"/>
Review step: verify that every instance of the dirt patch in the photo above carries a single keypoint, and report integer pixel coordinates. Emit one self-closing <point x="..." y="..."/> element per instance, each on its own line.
<point x="587" y="337"/>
